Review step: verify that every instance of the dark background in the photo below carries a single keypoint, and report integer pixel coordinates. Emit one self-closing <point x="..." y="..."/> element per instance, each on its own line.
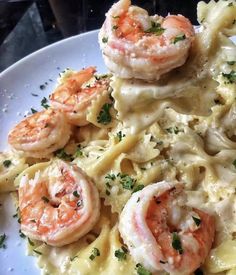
<point x="26" y="26"/>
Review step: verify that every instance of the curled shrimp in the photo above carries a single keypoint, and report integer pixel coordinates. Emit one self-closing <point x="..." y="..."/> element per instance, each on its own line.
<point x="40" y="134"/>
<point x="136" y="45"/>
<point x="76" y="92"/>
<point x="59" y="205"/>
<point x="162" y="233"/>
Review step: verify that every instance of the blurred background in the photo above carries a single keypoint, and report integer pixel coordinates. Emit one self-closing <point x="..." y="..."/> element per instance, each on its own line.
<point x="26" y="26"/>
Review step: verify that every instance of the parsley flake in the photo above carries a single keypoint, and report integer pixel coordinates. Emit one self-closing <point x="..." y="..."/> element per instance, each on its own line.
<point x="2" y="241"/>
<point x="174" y="130"/>
<point x="73" y="258"/>
<point x="104" y="116"/>
<point x="156" y="29"/>
<point x="45" y="199"/>
<point x="61" y="154"/>
<point x="176" y="243"/>
<point x="234" y="163"/>
<point x="104" y="39"/>
<point x="110" y="176"/>
<point x="179" y="38"/>
<point x="231" y="62"/>
<point x="119" y="136"/>
<point x="78" y="152"/>
<point x="95" y="253"/>
<point x="6" y="163"/>
<point x="33" y="111"/>
<point x="142" y="270"/>
<point x="138" y="188"/>
<point x="121" y="253"/>
<point x="22" y="235"/>
<point x="127" y="182"/>
<point x="76" y="194"/>
<point x="30" y="242"/>
<point x="231" y="77"/>
<point x="197" y="221"/>
<point x="37" y="252"/>
<point x="115" y="27"/>
<point x="44" y="102"/>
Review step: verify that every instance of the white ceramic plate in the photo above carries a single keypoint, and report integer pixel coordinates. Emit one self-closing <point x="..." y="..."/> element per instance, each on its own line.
<point x="17" y="84"/>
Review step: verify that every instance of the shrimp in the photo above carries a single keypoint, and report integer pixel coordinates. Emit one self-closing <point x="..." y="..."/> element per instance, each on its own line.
<point x="59" y="205"/>
<point x="75" y="94"/>
<point x="136" y="45"/>
<point x="162" y="233"/>
<point x="40" y="134"/>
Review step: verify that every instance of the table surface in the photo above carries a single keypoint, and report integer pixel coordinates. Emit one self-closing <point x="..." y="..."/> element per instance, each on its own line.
<point x="26" y="26"/>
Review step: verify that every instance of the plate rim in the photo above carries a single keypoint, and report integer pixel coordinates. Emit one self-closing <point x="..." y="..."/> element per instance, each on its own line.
<point x="31" y="55"/>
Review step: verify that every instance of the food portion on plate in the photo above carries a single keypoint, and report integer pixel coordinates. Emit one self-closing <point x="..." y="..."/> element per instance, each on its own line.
<point x="135" y="171"/>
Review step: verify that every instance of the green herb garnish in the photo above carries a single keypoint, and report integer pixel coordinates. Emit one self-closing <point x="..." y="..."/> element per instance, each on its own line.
<point x="119" y="136"/>
<point x="76" y="194"/>
<point x="156" y="29"/>
<point x="78" y="152"/>
<point x="30" y="242"/>
<point x="176" y="243"/>
<point x="231" y="77"/>
<point x="142" y="270"/>
<point x="45" y="199"/>
<point x="6" y="163"/>
<point x="104" y="39"/>
<point x="33" y="111"/>
<point x="44" y="102"/>
<point x="121" y="253"/>
<point x="104" y="116"/>
<point x="234" y="163"/>
<point x="110" y="176"/>
<point x="138" y="188"/>
<point x="197" y="221"/>
<point x="127" y="182"/>
<point x="22" y="235"/>
<point x="179" y="38"/>
<point x="2" y="241"/>
<point x="230" y="4"/>
<point x="63" y="155"/>
<point x="73" y="258"/>
<point x="174" y="130"/>
<point x="115" y="27"/>
<point x="37" y="252"/>
<point x="115" y="17"/>
<point x="231" y="62"/>
<point x="95" y="253"/>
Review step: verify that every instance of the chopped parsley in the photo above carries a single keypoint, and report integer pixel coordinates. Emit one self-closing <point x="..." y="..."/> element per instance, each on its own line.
<point x="42" y="87"/>
<point x="104" y="39"/>
<point x="138" y="188"/>
<point x="79" y="203"/>
<point x="34" y="94"/>
<point x="108" y="193"/>
<point x="22" y="235"/>
<point x="45" y="199"/>
<point x="231" y="62"/>
<point x="30" y="242"/>
<point x="2" y="241"/>
<point x="78" y="152"/>
<point x="95" y="253"/>
<point x="6" y="163"/>
<point x="115" y="17"/>
<point x="156" y="29"/>
<point x="115" y="27"/>
<point x="121" y="253"/>
<point x="119" y="136"/>
<point x="110" y="176"/>
<point x="104" y="116"/>
<point x="231" y="77"/>
<point x="176" y="243"/>
<point x="174" y="130"/>
<point x="61" y="154"/>
<point x="76" y="194"/>
<point x="142" y="270"/>
<point x="33" y="111"/>
<point x="230" y="4"/>
<point x="197" y="221"/>
<point x="179" y="38"/>
<point x="127" y="182"/>
<point x="198" y="272"/>
<point x="234" y="163"/>
<point x="44" y="103"/>
<point x="37" y="252"/>
<point x="163" y="262"/>
<point x="73" y="258"/>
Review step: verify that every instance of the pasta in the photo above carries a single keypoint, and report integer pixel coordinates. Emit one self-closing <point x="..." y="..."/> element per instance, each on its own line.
<point x="175" y="132"/>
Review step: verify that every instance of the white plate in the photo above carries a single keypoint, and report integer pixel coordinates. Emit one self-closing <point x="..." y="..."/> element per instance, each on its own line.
<point x="16" y="85"/>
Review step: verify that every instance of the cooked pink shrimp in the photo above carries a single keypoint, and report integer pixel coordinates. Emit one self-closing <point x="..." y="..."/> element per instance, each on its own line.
<point x="59" y="205"/>
<point x="136" y="45"/>
<point x="73" y="96"/>
<point x="162" y="233"/>
<point x="40" y="134"/>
